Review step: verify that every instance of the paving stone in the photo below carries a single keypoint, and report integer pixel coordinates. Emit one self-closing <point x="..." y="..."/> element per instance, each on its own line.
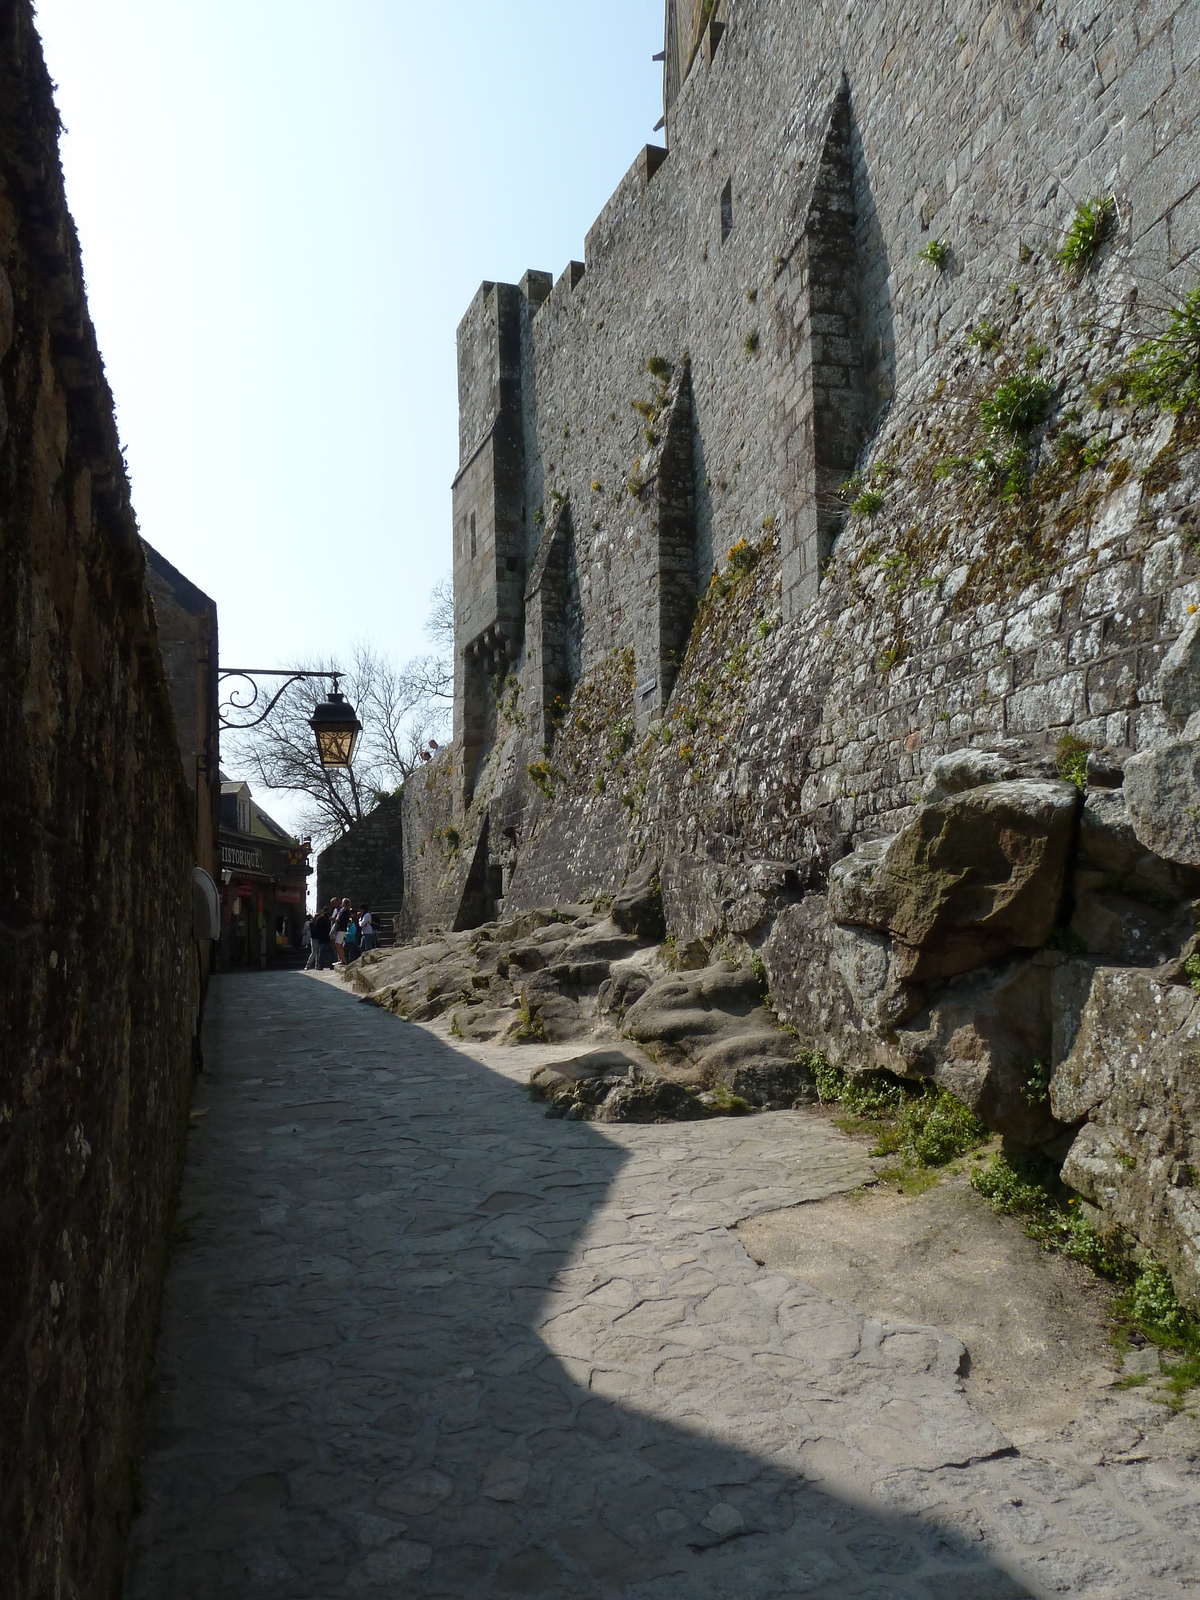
<point x="401" y="1398"/>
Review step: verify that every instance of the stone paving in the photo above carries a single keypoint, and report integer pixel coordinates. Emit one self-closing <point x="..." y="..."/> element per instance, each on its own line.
<point x="422" y="1341"/>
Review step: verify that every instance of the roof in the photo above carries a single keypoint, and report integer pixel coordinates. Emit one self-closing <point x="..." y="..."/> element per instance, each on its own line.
<point x="191" y="598"/>
<point x="262" y="825"/>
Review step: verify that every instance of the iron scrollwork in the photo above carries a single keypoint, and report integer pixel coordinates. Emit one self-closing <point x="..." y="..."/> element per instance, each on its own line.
<point x="235" y="702"/>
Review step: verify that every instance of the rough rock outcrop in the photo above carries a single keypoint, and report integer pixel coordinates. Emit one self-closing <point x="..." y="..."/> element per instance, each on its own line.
<point x="1162" y="789"/>
<point x="567" y="973"/>
<point x="714" y="1023"/>
<point x="638" y="907"/>
<point x="1129" y="903"/>
<point x="609" y="1086"/>
<point x="982" y="1039"/>
<point x="1134" y="1073"/>
<point x="972" y="876"/>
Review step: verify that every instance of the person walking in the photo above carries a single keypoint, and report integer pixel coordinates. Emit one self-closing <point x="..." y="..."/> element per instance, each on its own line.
<point x="306" y="943"/>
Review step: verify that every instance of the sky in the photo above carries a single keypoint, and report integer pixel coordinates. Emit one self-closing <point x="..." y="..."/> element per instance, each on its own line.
<point x="285" y="207"/>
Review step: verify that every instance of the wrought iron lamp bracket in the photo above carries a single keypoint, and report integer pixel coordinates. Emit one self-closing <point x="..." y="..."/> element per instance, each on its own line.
<point x="237" y="704"/>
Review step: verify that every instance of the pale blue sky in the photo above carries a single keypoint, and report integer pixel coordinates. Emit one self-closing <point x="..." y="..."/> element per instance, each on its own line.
<point x="285" y="207"/>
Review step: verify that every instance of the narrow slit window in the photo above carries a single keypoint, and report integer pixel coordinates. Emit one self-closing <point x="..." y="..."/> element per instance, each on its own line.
<point x="727" y="210"/>
<point x="472" y="536"/>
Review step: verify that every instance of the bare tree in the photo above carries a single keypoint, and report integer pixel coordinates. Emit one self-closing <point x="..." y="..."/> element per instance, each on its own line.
<point x="401" y="708"/>
<point x="439" y="625"/>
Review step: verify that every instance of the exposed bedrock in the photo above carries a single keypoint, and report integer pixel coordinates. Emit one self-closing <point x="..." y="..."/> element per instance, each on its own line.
<point x="973" y="876"/>
<point x="1133" y="1074"/>
<point x="700" y="1041"/>
<point x="940" y="952"/>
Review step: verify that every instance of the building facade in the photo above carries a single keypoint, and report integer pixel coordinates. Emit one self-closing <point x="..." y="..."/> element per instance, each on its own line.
<point x="264" y="874"/>
<point x="187" y="632"/>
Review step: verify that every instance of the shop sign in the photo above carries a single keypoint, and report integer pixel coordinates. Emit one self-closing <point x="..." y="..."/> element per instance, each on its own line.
<point x="237" y="856"/>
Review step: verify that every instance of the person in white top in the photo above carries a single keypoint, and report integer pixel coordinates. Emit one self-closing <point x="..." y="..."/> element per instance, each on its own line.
<point x="366" y="929"/>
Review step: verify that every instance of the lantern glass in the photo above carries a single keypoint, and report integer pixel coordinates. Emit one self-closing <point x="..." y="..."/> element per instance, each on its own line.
<point x="337" y="730"/>
<point x="336" y="746"/>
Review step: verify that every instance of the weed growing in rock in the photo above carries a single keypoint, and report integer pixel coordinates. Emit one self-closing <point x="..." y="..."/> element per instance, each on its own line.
<point x="924" y="1125"/>
<point x="1151" y="1306"/>
<point x="1030" y="1189"/>
<point x="986" y="338"/>
<point x="455" y="1031"/>
<point x="658" y="367"/>
<point x="759" y="968"/>
<point x="1090" y="226"/>
<point x="1165" y="372"/>
<point x="1036" y="1087"/>
<point x="830" y="1080"/>
<point x="1191" y="970"/>
<point x="541" y="777"/>
<point x="934" y="1128"/>
<point x="530" y="1025"/>
<point x="1071" y="759"/>
<point x="733" y="1105"/>
<point x="1018" y="404"/>
<point x="1006" y="475"/>
<point x="750" y="342"/>
<point x="937" y="253"/>
<point x="868" y="504"/>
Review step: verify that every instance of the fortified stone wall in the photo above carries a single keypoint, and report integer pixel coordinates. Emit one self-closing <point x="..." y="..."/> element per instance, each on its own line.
<point x="813" y="155"/>
<point x="937" y="552"/>
<point x="100" y="991"/>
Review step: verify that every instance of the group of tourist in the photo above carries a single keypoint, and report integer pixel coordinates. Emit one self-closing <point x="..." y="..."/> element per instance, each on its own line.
<point x="338" y="936"/>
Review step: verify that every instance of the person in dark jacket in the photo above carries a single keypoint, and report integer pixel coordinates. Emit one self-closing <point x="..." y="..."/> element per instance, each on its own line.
<point x="321" y="934"/>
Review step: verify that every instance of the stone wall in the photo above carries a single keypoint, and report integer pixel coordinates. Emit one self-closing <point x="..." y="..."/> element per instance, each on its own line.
<point x="437" y="854"/>
<point x="186" y="622"/>
<point x="100" y="991"/>
<point x="367" y="864"/>
<point x="844" y="262"/>
<point x="774" y="254"/>
<point x="982" y="132"/>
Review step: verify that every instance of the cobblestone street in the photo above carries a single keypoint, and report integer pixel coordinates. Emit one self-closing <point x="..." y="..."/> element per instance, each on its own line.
<point x="420" y="1340"/>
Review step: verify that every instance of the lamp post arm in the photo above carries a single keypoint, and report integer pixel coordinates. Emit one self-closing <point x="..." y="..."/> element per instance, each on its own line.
<point x="250" y="675"/>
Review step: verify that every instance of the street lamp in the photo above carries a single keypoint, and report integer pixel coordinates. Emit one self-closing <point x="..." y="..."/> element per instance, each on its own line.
<point x="334" y="722"/>
<point x="336" y="727"/>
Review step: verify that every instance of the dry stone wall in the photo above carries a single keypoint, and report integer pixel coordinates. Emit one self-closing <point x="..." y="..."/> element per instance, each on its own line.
<point x="100" y="994"/>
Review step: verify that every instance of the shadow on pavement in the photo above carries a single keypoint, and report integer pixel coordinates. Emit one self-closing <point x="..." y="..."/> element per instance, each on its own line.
<point x="352" y="1399"/>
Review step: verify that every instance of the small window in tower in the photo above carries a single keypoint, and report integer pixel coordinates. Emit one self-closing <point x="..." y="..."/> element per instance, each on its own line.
<point x="727" y="210"/>
<point x="472" y="536"/>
